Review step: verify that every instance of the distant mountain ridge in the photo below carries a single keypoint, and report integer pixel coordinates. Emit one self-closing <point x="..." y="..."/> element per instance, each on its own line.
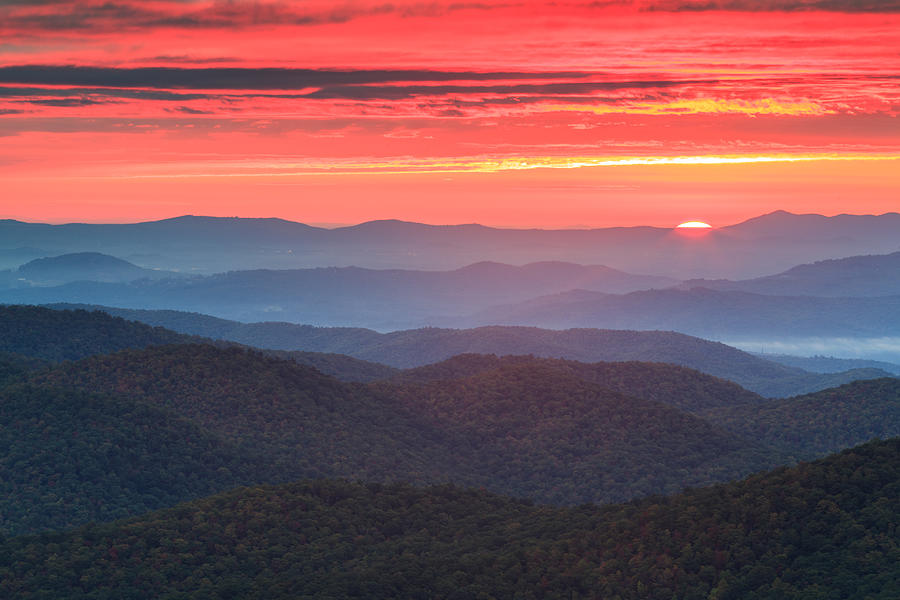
<point x="83" y="266"/>
<point x="829" y="364"/>
<point x="413" y="348"/>
<point x="341" y="296"/>
<point x="874" y="275"/>
<point x="704" y="312"/>
<point x="208" y="244"/>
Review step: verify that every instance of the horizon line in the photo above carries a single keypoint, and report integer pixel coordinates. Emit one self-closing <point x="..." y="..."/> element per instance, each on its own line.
<point x="331" y="226"/>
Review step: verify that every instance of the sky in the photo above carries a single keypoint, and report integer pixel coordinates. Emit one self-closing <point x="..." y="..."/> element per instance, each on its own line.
<point x="513" y="114"/>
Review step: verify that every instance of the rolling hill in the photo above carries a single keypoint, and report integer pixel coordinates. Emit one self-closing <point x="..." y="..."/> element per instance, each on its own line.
<point x="68" y="458"/>
<point x="852" y="276"/>
<point x="83" y="266"/>
<point x="413" y="348"/>
<point x="683" y="388"/>
<point x="527" y="430"/>
<point x="57" y="335"/>
<point x="349" y="296"/>
<point x="706" y="313"/>
<point x="821" y="530"/>
<point x="813" y="425"/>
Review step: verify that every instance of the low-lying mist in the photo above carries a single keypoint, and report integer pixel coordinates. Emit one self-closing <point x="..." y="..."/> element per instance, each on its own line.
<point x="880" y="348"/>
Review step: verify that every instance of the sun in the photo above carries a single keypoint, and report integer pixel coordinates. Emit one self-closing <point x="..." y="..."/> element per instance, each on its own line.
<point x="693" y="229"/>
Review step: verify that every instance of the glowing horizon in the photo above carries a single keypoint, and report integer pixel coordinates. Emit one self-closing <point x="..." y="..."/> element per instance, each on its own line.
<point x="541" y="114"/>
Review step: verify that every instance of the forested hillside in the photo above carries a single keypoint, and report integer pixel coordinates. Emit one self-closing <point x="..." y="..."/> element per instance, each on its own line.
<point x="69" y="335"/>
<point x="815" y="424"/>
<point x="680" y="387"/>
<point x="418" y="347"/>
<point x="825" y="530"/>
<point x="69" y="457"/>
<point x="528" y="430"/>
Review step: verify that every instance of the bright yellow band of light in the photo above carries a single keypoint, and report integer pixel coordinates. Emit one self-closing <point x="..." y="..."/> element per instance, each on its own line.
<point x="695" y="225"/>
<point x="256" y="168"/>
<point x="762" y="106"/>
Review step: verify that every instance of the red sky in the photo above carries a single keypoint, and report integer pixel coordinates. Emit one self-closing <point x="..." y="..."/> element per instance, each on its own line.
<point x="538" y="114"/>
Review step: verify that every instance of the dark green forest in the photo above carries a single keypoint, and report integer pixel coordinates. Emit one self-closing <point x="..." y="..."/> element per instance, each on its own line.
<point x="69" y="335"/>
<point x="681" y="387"/>
<point x="527" y="429"/>
<point x="69" y="457"/>
<point x="824" y="530"/>
<point x="816" y="424"/>
<point x="301" y="484"/>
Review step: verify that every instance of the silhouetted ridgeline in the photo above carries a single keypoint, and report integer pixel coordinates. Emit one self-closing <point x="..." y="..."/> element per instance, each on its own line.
<point x="417" y="347"/>
<point x="756" y="247"/>
<point x="820" y="530"/>
<point x="873" y="275"/>
<point x="31" y="333"/>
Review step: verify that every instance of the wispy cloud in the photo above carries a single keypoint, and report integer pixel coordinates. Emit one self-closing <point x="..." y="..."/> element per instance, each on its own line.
<point x="844" y="6"/>
<point x="116" y="16"/>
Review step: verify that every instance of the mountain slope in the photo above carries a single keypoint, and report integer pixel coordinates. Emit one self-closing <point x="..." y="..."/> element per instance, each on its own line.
<point x="707" y="313"/>
<point x="381" y="299"/>
<point x="551" y="436"/>
<point x="877" y="275"/>
<point x="683" y="388"/>
<point x="820" y="530"/>
<point x="67" y="458"/>
<point x="546" y="425"/>
<point x="815" y="424"/>
<point x="413" y="348"/>
<point x="83" y="266"/>
<point x="315" y="424"/>
<point x="69" y="335"/>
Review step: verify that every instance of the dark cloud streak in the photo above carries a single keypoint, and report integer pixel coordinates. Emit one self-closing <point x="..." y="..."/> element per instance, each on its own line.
<point x="243" y="78"/>
<point x="110" y="16"/>
<point x="842" y="6"/>
<point x="363" y="92"/>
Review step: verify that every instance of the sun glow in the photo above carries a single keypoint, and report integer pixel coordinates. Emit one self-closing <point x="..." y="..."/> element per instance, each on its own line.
<point x="693" y="229"/>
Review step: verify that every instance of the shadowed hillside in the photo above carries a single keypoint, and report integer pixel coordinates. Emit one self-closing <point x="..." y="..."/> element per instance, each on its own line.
<point x="820" y="530"/>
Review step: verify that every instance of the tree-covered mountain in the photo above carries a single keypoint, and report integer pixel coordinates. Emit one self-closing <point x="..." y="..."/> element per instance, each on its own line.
<point x="69" y="457"/>
<point x="15" y="366"/>
<point x="681" y="387"/>
<point x="29" y="334"/>
<point x="815" y="424"/>
<point x="69" y="335"/>
<point x="316" y="424"/>
<point x="522" y="429"/>
<point x="417" y="347"/>
<point x="549" y="435"/>
<point x="339" y="366"/>
<point x="824" y="530"/>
